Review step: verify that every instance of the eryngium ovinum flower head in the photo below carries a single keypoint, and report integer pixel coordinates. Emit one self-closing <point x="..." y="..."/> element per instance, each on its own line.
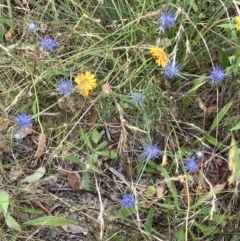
<point x="166" y="20"/>
<point x="31" y="27"/>
<point x="23" y="120"/>
<point x="191" y="165"/>
<point x="48" y="44"/>
<point x="137" y="98"/>
<point x="171" y="70"/>
<point x="64" y="87"/>
<point x="151" y="151"/>
<point x="217" y="75"/>
<point x="127" y="201"/>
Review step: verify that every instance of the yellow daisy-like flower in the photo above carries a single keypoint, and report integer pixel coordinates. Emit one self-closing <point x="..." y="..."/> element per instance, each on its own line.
<point x="159" y="56"/>
<point x="85" y="83"/>
<point x="238" y="23"/>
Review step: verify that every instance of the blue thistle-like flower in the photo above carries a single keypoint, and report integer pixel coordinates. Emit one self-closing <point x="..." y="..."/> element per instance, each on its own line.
<point x="48" y="44"/>
<point x="166" y="20"/>
<point x="151" y="151"/>
<point x="217" y="75"/>
<point x="23" y="120"/>
<point x="191" y="165"/>
<point x="171" y="70"/>
<point x="65" y="87"/>
<point x="31" y="27"/>
<point x="127" y="201"/>
<point x="137" y="98"/>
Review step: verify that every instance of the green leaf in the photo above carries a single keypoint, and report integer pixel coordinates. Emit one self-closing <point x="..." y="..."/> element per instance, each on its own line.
<point x="31" y="210"/>
<point x="150" y="191"/>
<point x="220" y="115"/>
<point x="113" y="154"/>
<point x="125" y="212"/>
<point x="226" y="25"/>
<point x="235" y="128"/>
<point x="191" y="93"/>
<point x="12" y="223"/>
<point x="86" y="180"/>
<point x="180" y="234"/>
<point x="213" y="141"/>
<point x="38" y="174"/>
<point x="49" y="221"/>
<point x="148" y="224"/>
<point x="73" y="159"/>
<point x="170" y="184"/>
<point x="207" y="230"/>
<point x="101" y="145"/>
<point x="4" y="201"/>
<point x="95" y="136"/>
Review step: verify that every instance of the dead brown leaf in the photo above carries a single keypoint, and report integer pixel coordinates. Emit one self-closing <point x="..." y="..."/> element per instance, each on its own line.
<point x="186" y="197"/>
<point x="167" y="84"/>
<point x="160" y="187"/>
<point x="73" y="179"/>
<point x="200" y="104"/>
<point x="72" y="228"/>
<point x="175" y="112"/>
<point x="156" y="13"/>
<point x="127" y="169"/>
<point x="15" y="173"/>
<point x="211" y="109"/>
<point x="93" y="115"/>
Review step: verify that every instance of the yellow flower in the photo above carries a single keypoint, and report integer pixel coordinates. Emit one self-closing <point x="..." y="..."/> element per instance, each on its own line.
<point x="238" y="23"/>
<point x="159" y="56"/>
<point x="85" y="83"/>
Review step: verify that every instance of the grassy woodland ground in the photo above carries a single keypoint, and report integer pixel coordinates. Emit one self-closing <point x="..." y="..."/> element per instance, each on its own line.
<point x="119" y="120"/>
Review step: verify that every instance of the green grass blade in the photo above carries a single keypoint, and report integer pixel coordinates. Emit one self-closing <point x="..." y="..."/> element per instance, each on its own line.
<point x="220" y="115"/>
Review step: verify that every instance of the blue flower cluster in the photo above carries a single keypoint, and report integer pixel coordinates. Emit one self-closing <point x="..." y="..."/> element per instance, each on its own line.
<point x="151" y="152"/>
<point x="23" y="120"/>
<point x="191" y="163"/>
<point x="127" y="201"/>
<point x="64" y="87"/>
<point x="48" y="44"/>
<point x="166" y="20"/>
<point x="171" y="70"/>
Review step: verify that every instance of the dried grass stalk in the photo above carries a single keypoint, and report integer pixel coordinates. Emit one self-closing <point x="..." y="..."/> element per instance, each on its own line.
<point x="41" y="144"/>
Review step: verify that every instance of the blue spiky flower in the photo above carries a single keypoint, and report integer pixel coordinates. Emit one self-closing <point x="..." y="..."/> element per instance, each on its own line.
<point x="191" y="165"/>
<point x="127" y="201"/>
<point x="151" y="151"/>
<point x="171" y="70"/>
<point x="65" y="87"/>
<point x="31" y="27"/>
<point x="137" y="98"/>
<point x="48" y="44"/>
<point x="23" y="120"/>
<point x="217" y="75"/>
<point x="166" y="20"/>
